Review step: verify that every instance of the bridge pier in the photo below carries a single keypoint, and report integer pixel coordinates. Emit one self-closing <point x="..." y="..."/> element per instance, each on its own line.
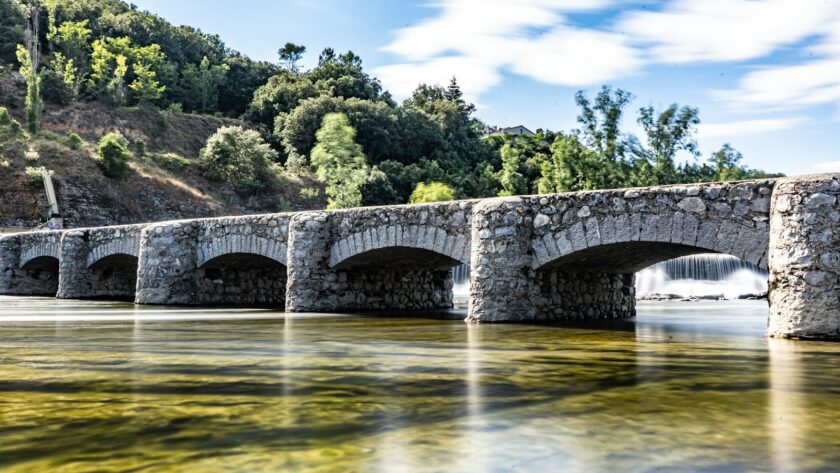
<point x="804" y="263"/>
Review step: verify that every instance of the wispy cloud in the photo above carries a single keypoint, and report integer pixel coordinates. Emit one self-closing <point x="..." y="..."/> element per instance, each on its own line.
<point x="725" y="30"/>
<point x="747" y="127"/>
<point x="478" y="41"/>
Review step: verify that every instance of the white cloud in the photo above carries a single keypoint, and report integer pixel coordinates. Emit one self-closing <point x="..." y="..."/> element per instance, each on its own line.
<point x="746" y="127"/>
<point x="474" y="40"/>
<point x="726" y="30"/>
<point x="827" y="166"/>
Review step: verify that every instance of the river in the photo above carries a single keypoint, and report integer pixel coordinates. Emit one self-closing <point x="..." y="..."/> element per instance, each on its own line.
<point x="686" y="386"/>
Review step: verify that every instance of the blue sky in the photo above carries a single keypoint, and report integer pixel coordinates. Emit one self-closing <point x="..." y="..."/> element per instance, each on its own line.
<point x="764" y="73"/>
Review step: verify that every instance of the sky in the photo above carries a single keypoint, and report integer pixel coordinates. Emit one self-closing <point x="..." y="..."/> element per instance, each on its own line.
<point x="765" y="74"/>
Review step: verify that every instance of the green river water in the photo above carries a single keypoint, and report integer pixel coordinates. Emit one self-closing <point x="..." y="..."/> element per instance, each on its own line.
<point x="95" y="386"/>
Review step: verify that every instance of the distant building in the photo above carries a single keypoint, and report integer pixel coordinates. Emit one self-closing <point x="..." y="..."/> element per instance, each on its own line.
<point x="512" y="130"/>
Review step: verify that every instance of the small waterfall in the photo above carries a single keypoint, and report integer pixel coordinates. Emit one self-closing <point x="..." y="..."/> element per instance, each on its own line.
<point x="704" y="275"/>
<point x="701" y="276"/>
<point x="461" y="288"/>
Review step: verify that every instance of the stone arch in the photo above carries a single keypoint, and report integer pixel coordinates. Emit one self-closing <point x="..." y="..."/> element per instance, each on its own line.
<point x="632" y="241"/>
<point x="241" y="244"/>
<point x="122" y="246"/>
<point x="422" y="237"/>
<point x="39" y="250"/>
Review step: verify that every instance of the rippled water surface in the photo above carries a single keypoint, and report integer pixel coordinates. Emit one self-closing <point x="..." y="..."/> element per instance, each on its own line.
<point x="90" y="386"/>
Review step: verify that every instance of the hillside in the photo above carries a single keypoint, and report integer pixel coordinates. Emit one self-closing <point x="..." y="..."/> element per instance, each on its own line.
<point x="163" y="183"/>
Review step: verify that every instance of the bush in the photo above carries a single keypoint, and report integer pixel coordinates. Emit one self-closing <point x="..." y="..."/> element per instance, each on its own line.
<point x="7" y="123"/>
<point x="175" y="107"/>
<point x="34" y="178"/>
<point x="239" y="157"/>
<point x="431" y="192"/>
<point x="138" y="147"/>
<point x="73" y="141"/>
<point x="112" y="156"/>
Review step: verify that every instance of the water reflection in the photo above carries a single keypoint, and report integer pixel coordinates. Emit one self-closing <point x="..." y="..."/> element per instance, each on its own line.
<point x="685" y="387"/>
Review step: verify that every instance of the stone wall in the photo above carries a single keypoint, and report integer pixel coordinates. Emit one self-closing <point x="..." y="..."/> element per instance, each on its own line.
<point x="804" y="288"/>
<point x="584" y="295"/>
<point x="29" y="263"/>
<point x="239" y="259"/>
<point x="100" y="263"/>
<point x="380" y="258"/>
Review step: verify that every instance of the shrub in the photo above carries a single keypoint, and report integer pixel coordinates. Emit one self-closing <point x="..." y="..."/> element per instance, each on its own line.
<point x="73" y="141"/>
<point x="7" y="123"/>
<point x="34" y="178"/>
<point x="309" y="193"/>
<point x="175" y="107"/>
<point x="431" y="192"/>
<point x="112" y="156"/>
<point x="239" y="157"/>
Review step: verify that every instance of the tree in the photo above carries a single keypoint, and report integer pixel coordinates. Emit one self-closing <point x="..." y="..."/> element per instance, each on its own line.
<point x="146" y="88"/>
<point x="112" y="156"/>
<point x="327" y="55"/>
<point x="290" y="54"/>
<point x="239" y="157"/>
<point x="512" y="181"/>
<point x="431" y="192"/>
<point x="601" y="121"/>
<point x="12" y="13"/>
<point x="29" y="57"/>
<point x="201" y="85"/>
<point x="73" y="39"/>
<point x="339" y="161"/>
<point x="60" y="80"/>
<point x="667" y="133"/>
<point x="573" y="167"/>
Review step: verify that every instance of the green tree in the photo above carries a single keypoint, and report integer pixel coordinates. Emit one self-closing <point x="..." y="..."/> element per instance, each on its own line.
<point x="512" y="181"/>
<point x="112" y="156"/>
<point x="12" y="22"/>
<point x="73" y="39"/>
<point x="431" y="192"/>
<point x="573" y="167"/>
<point x="601" y="121"/>
<point x="145" y="87"/>
<point x="202" y="85"/>
<point x="668" y="133"/>
<point x="61" y="81"/>
<point x="290" y="54"/>
<point x="29" y="56"/>
<point x="239" y="157"/>
<point x="339" y="161"/>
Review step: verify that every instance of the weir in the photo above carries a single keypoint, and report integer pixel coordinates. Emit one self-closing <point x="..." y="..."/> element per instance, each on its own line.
<point x="532" y="258"/>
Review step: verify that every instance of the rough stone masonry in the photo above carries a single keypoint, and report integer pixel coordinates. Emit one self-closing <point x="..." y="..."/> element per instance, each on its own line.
<point x="533" y="258"/>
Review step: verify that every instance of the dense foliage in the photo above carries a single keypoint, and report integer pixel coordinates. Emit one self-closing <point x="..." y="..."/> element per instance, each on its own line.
<point x="339" y="161"/>
<point x="109" y="49"/>
<point x="431" y="192"/>
<point x="335" y="120"/>
<point x="113" y="158"/>
<point x="239" y="157"/>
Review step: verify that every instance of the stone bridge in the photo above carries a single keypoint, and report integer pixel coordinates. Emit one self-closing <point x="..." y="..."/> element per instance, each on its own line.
<point x="533" y="258"/>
